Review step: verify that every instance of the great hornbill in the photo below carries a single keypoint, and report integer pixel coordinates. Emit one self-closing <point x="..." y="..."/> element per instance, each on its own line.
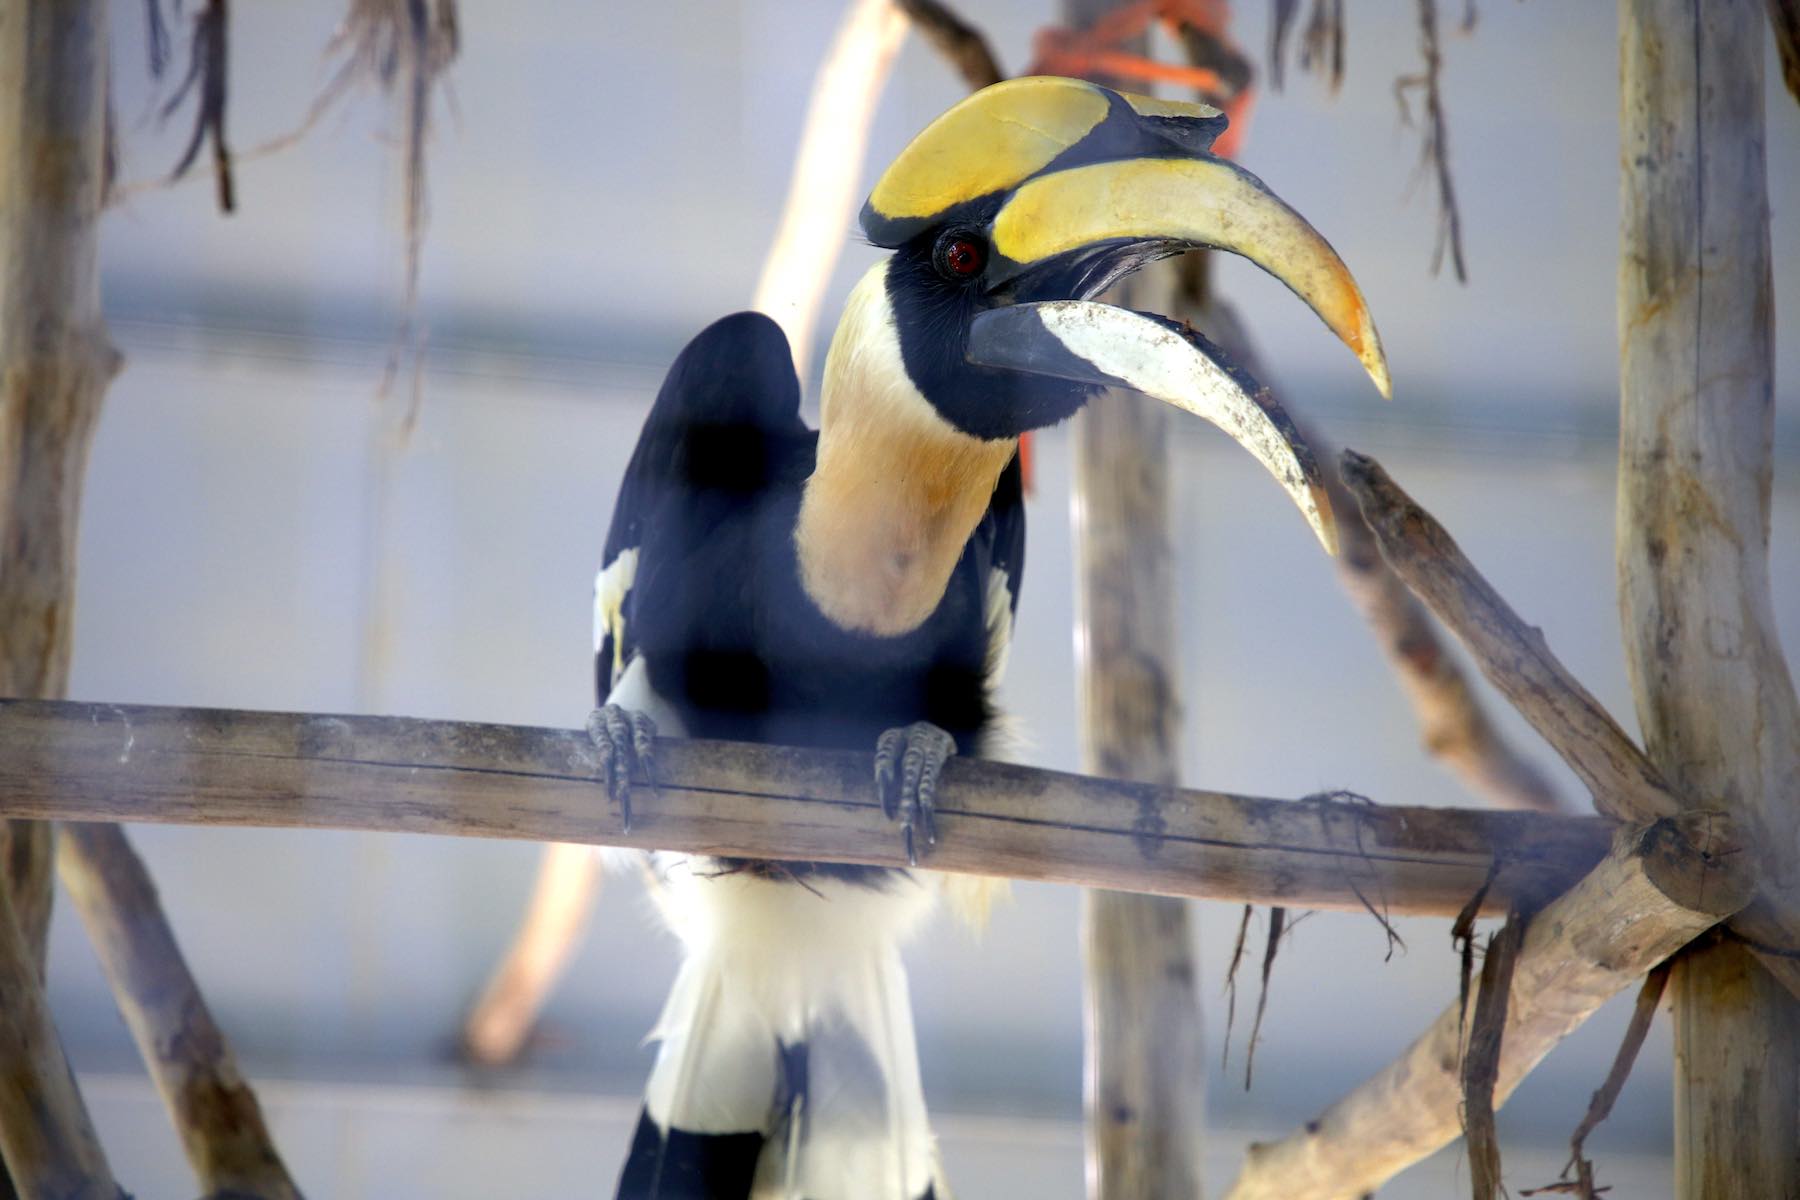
<point x="854" y="586"/>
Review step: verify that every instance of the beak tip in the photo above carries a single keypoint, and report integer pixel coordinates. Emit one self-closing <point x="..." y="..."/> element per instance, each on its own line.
<point x="1324" y="522"/>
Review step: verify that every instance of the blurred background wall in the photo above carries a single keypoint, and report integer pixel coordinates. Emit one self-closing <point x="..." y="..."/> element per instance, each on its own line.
<point x="604" y="181"/>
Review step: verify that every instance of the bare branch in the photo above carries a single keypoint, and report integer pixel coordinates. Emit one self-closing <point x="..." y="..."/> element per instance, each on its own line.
<point x="1453" y="725"/>
<point x="1662" y="885"/>
<point x="1434" y="148"/>
<point x="1600" y="1107"/>
<point x="1455" y="728"/>
<point x="213" y="1108"/>
<point x="1513" y="655"/>
<point x="958" y="41"/>
<point x="62" y="761"/>
<point x="47" y="1142"/>
<point x="1516" y="659"/>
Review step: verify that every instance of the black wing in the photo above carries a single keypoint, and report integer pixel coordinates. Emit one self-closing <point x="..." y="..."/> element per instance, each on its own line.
<point x="730" y="392"/>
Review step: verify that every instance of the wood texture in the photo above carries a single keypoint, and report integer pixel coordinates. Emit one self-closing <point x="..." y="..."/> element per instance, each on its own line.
<point x="1145" y="1073"/>
<point x="46" y="1138"/>
<point x="1714" y="696"/>
<point x="83" y="762"/>
<point x="1661" y="885"/>
<point x="213" y="1109"/>
<point x="55" y="361"/>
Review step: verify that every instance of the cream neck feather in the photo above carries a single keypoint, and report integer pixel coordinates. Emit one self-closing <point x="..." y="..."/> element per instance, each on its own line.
<point x="897" y="489"/>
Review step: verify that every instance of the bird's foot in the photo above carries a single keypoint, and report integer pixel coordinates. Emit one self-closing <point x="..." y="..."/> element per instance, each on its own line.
<point x="626" y="741"/>
<point x="907" y="763"/>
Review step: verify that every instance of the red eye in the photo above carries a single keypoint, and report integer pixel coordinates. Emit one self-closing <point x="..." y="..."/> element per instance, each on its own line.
<point x="961" y="256"/>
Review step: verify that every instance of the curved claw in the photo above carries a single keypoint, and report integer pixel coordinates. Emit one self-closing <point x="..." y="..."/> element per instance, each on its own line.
<point x="625" y="740"/>
<point x="908" y="762"/>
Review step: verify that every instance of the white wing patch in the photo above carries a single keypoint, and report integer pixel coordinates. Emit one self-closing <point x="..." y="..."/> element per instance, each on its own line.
<point x="999" y="627"/>
<point x="610" y="588"/>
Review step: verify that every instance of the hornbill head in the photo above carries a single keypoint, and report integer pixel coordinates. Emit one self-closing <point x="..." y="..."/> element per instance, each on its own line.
<point x="1029" y="197"/>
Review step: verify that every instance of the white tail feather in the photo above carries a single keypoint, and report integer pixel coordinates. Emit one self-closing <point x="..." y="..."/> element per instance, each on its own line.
<point x="774" y="964"/>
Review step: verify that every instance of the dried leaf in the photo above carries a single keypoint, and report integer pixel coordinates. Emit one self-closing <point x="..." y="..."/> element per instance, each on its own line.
<point x="1481" y="1060"/>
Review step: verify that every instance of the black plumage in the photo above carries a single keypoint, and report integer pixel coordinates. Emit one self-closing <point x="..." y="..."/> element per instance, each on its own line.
<point x="716" y="608"/>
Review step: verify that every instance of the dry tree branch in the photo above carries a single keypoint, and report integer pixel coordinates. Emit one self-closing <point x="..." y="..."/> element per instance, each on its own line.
<point x="62" y="761"/>
<point x="1516" y="658"/>
<point x="1663" y="884"/>
<point x="1600" y="1107"/>
<point x="213" y="1109"/>
<point x="1513" y="655"/>
<point x="47" y="1141"/>
<point x="1434" y="149"/>
<point x="1454" y="727"/>
<point x="958" y="41"/>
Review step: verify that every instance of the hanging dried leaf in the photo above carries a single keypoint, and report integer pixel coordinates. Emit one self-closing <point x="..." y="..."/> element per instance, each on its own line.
<point x="205" y="78"/>
<point x="1481" y="1060"/>
<point x="1434" y="149"/>
<point x="404" y="47"/>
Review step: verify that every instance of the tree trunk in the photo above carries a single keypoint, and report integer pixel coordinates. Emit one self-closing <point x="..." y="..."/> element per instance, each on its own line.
<point x="1714" y="697"/>
<point x="1144" y="1070"/>
<point x="55" y="363"/>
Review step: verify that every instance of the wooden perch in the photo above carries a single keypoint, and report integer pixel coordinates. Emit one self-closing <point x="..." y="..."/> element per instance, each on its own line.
<point x="214" y="1110"/>
<point x="1516" y="659"/>
<point x="83" y="762"/>
<point x="46" y="1139"/>
<point x="1662" y="885"/>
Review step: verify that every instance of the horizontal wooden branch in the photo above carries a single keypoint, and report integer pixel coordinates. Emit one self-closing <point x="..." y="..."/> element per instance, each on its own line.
<point x="1661" y="886"/>
<point x="87" y="762"/>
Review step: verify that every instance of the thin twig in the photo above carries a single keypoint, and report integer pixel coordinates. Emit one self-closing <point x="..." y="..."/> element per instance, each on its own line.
<point x="1434" y="149"/>
<point x="1237" y="957"/>
<point x="958" y="41"/>
<point x="212" y="1107"/>
<point x="1601" y="1106"/>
